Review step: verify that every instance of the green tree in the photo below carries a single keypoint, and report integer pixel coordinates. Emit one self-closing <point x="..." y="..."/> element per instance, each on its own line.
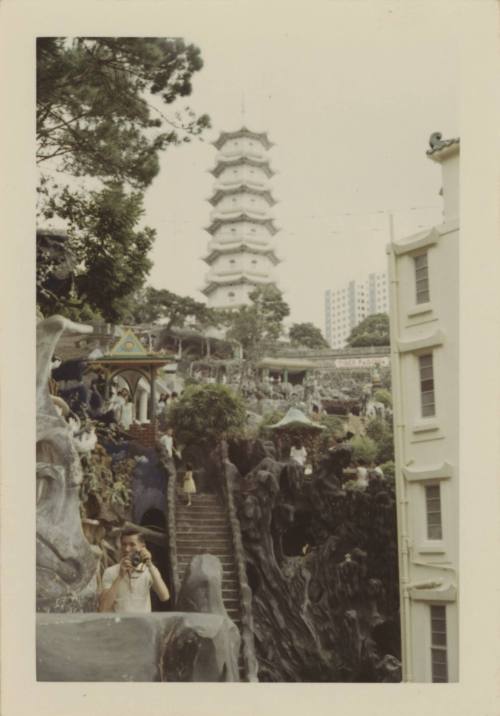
<point x="383" y="396"/>
<point x="101" y="115"/>
<point x="372" y="331"/>
<point x="151" y="304"/>
<point x="108" y="252"/>
<point x="308" y="335"/>
<point x="380" y="431"/>
<point x="258" y="323"/>
<point x="99" y="104"/>
<point x="364" y="448"/>
<point x="206" y="413"/>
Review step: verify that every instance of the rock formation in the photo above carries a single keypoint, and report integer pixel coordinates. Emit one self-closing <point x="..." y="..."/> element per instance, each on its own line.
<point x="322" y="566"/>
<point x="65" y="563"/>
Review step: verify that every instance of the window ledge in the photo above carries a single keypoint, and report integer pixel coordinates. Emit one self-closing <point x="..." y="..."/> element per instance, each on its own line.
<point x="420" y="309"/>
<point x="424" y="426"/>
<point x="432" y="547"/>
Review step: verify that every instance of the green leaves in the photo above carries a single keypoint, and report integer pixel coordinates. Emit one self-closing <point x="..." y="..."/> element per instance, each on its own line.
<point x="259" y="322"/>
<point x="207" y="413"/>
<point x="308" y="335"/>
<point x="372" y="331"/>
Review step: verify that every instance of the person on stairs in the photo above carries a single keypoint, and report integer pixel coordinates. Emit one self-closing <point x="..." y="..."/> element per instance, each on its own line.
<point x="188" y="484"/>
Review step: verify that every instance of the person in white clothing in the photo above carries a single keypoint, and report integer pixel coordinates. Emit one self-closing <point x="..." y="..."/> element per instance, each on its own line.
<point x="298" y="453"/>
<point x="126" y="586"/>
<point x="361" y="474"/>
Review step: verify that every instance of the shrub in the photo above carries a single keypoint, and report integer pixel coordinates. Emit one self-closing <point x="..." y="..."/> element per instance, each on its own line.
<point x="383" y="396"/>
<point x="364" y="448"/>
<point x="206" y="414"/>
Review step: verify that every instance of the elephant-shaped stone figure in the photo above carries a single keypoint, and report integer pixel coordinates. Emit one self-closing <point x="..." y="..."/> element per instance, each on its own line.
<point x="65" y="564"/>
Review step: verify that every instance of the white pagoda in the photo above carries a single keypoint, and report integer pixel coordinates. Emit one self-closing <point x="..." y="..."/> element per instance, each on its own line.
<point x="241" y="252"/>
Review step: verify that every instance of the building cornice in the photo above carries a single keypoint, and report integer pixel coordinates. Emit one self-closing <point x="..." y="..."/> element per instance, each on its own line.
<point x="434" y="340"/>
<point x="444" y="471"/>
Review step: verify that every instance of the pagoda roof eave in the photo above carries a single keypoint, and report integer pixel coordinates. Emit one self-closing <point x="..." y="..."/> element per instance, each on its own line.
<point x="231" y="281"/>
<point x="240" y="248"/>
<point x="223" y="164"/>
<point x="242" y="189"/>
<point x="240" y="218"/>
<point x="243" y="132"/>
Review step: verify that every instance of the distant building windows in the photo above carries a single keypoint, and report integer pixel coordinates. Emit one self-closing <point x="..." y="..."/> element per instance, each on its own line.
<point x="439" y="656"/>
<point x="231" y="295"/>
<point x="427" y="397"/>
<point x="433" y="510"/>
<point x="422" y="278"/>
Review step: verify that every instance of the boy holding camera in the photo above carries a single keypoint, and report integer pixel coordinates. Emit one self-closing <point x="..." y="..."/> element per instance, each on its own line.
<point x="126" y="586"/>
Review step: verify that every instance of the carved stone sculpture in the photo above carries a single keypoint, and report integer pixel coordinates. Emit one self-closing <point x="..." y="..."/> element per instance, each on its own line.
<point x="65" y="579"/>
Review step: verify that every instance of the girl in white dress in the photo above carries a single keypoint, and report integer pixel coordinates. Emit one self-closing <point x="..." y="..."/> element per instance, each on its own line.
<point x="188" y="484"/>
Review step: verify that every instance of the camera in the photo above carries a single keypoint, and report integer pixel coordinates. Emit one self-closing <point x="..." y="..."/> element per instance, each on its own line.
<point x="136" y="559"/>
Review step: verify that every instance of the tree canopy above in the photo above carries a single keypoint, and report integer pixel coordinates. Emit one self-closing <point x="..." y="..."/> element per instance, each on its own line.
<point x="372" y="331"/>
<point x="308" y="335"/>
<point x="96" y="113"/>
<point x="153" y="304"/>
<point x="259" y="322"/>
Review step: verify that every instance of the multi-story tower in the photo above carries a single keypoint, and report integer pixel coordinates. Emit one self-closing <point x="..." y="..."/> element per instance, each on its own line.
<point x="423" y="271"/>
<point x="347" y="306"/>
<point x="241" y="252"/>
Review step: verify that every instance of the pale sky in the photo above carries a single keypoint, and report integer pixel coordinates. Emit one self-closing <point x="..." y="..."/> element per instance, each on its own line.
<point x="350" y="100"/>
<point x="349" y="93"/>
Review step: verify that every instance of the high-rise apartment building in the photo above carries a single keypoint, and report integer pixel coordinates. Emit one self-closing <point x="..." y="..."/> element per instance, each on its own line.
<point x="423" y="271"/>
<point x="347" y="306"/>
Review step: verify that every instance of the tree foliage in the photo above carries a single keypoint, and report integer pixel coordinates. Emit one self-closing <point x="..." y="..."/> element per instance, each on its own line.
<point x="206" y="413"/>
<point x="308" y="335"/>
<point x="260" y="322"/>
<point x="382" y="395"/>
<point x="108" y="254"/>
<point x="372" y="331"/>
<point x="152" y="304"/>
<point x="380" y="431"/>
<point x="364" y="448"/>
<point x="101" y="106"/>
<point x="96" y="113"/>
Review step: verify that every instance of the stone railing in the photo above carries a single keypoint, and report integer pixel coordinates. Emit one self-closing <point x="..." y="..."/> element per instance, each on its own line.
<point x="169" y="467"/>
<point x="248" y="646"/>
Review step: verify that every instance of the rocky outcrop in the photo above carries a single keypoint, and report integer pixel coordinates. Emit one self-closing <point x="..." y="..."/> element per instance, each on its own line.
<point x="322" y="566"/>
<point x="134" y="647"/>
<point x="65" y="579"/>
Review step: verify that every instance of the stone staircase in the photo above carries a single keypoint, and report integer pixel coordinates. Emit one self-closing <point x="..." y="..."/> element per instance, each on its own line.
<point x="204" y="528"/>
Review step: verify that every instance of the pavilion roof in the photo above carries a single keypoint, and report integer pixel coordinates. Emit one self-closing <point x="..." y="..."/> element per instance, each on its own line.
<point x="295" y="418"/>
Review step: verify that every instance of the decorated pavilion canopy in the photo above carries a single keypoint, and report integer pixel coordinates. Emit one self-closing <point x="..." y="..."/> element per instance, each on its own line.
<point x="294" y="419"/>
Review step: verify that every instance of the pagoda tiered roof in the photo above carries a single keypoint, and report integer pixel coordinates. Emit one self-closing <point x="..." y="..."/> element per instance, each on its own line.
<point x="240" y="247"/>
<point x="233" y="281"/>
<point x="243" y="132"/>
<point x="242" y="189"/>
<point x="216" y="223"/>
<point x="238" y="161"/>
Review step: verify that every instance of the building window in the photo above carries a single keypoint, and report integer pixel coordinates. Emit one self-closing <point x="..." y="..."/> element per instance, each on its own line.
<point x="231" y="295"/>
<point x="427" y="385"/>
<point x="439" y="659"/>
<point x="433" y="509"/>
<point x="422" y="278"/>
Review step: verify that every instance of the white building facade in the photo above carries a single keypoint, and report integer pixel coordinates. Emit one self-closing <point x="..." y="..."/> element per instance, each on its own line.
<point x="423" y="275"/>
<point x="241" y="253"/>
<point x="347" y="306"/>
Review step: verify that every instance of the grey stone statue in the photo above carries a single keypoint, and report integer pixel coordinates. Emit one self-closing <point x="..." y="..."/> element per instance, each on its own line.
<point x="65" y="564"/>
